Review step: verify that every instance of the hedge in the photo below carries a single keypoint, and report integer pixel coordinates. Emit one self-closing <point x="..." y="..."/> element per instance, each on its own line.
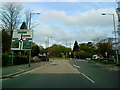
<point x="20" y="60"/>
<point x="17" y="60"/>
<point x="6" y="60"/>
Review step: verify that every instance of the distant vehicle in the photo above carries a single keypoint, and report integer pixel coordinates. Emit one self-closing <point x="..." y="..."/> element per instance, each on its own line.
<point x="44" y="57"/>
<point x="95" y="57"/>
<point x="35" y="59"/>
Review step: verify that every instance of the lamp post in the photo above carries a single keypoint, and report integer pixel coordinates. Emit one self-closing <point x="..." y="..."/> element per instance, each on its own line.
<point x="49" y="40"/>
<point x="115" y="35"/>
<point x="31" y="17"/>
<point x="32" y="36"/>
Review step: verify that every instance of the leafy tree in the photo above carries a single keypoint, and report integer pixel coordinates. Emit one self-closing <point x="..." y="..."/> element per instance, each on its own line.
<point x="103" y="47"/>
<point x="35" y="50"/>
<point x="23" y="26"/>
<point x="58" y="50"/>
<point x="85" y="50"/>
<point x="76" y="47"/>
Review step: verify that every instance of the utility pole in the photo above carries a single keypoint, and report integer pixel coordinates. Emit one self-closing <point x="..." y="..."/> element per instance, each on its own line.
<point x="118" y="28"/>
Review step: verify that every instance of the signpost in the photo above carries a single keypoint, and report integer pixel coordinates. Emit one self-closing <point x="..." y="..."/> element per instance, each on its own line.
<point x="22" y="40"/>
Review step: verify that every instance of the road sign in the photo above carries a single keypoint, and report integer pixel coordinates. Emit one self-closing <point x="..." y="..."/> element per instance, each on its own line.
<point x="22" y="39"/>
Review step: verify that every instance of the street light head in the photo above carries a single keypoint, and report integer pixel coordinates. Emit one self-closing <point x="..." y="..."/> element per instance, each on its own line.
<point x="37" y="13"/>
<point x="107" y="14"/>
<point x="103" y="14"/>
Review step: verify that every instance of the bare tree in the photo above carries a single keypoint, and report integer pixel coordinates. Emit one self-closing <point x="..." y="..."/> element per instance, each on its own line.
<point x="27" y="16"/>
<point x="11" y="16"/>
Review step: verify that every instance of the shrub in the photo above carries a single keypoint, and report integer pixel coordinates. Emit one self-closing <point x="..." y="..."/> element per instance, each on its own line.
<point x="6" y="61"/>
<point x="20" y="60"/>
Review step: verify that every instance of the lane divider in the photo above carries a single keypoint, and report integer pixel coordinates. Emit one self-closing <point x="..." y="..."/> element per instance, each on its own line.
<point x="84" y="74"/>
<point x="88" y="78"/>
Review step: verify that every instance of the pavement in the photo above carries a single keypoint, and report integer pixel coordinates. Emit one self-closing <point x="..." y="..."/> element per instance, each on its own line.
<point x="10" y="71"/>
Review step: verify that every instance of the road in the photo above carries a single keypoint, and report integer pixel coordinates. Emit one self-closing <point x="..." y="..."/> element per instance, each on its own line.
<point x="64" y="74"/>
<point x="105" y="78"/>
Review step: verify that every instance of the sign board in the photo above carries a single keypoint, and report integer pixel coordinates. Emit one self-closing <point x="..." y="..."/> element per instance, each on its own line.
<point x="22" y="39"/>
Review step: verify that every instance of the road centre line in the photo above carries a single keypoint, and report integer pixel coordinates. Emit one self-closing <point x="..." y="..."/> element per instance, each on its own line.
<point x="87" y="77"/>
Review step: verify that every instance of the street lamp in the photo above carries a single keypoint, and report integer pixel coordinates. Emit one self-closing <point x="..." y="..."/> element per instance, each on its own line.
<point x="32" y="36"/>
<point x="115" y="35"/>
<point x="30" y="18"/>
<point x="49" y="40"/>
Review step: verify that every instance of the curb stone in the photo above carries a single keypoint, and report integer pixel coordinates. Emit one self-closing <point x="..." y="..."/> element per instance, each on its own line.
<point x="16" y="73"/>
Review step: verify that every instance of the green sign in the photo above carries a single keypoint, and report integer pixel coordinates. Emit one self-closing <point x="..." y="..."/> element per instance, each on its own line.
<point x="22" y="32"/>
<point x="15" y="44"/>
<point x="28" y="38"/>
<point x="27" y="44"/>
<point x="15" y="39"/>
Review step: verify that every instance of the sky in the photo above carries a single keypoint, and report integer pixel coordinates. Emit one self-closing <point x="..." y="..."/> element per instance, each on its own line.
<point x="66" y="22"/>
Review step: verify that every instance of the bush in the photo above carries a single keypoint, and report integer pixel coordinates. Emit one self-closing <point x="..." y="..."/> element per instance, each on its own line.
<point x="20" y="60"/>
<point x="17" y="59"/>
<point x="6" y="61"/>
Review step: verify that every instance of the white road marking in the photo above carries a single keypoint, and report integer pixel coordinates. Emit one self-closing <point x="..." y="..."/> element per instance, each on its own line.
<point x="87" y="77"/>
<point x="76" y="66"/>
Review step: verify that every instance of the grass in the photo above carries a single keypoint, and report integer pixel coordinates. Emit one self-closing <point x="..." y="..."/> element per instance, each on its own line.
<point x="106" y="62"/>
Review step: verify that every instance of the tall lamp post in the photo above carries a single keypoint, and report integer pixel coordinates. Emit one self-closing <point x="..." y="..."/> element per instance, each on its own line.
<point x="115" y="36"/>
<point x="32" y="36"/>
<point x="31" y="17"/>
<point x="49" y="40"/>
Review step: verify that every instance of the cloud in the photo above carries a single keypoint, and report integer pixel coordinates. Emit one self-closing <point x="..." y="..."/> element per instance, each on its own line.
<point x="83" y="27"/>
<point x="89" y="18"/>
<point x="59" y="35"/>
<point x="58" y="0"/>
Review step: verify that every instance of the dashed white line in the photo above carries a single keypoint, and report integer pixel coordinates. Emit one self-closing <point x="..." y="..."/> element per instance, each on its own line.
<point x="84" y="74"/>
<point x="88" y="78"/>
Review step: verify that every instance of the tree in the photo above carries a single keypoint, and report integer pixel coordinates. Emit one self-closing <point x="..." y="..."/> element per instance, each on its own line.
<point x="58" y="50"/>
<point x="23" y="26"/>
<point x="76" y="47"/>
<point x="86" y="50"/>
<point x="11" y="16"/>
<point x="5" y="41"/>
<point x="27" y="17"/>
<point x="105" y="47"/>
<point x="35" y="50"/>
